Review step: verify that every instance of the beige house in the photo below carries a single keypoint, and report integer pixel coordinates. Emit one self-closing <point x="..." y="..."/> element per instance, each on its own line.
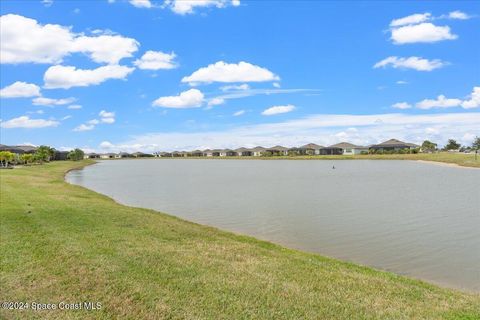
<point x="278" y="151"/>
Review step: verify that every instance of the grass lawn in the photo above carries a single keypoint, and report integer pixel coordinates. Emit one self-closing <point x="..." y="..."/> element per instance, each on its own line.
<point x="61" y="242"/>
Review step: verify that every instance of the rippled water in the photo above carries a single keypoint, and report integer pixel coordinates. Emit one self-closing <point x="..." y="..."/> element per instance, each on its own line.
<point x="411" y="218"/>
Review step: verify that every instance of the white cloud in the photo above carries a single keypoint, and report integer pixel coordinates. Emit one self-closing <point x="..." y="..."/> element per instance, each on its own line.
<point x="276" y="84"/>
<point x="20" y="89"/>
<point x="239" y="113"/>
<point x="26" y="122"/>
<point x="184" y="7"/>
<point x="230" y="72"/>
<point x="278" y="109"/>
<point x="458" y="15"/>
<point x="401" y="105"/>
<point x="401" y="82"/>
<point x="74" y="107"/>
<point x="50" y="43"/>
<point x="106" y="117"/>
<point x="440" y="102"/>
<point x="411" y="19"/>
<point x="425" y="32"/>
<point x="156" y="60"/>
<point x="416" y="63"/>
<point x="192" y="98"/>
<point x="320" y="128"/>
<point x="42" y="101"/>
<point x="47" y="3"/>
<point x="84" y="127"/>
<point x="216" y="101"/>
<point x="474" y="99"/>
<point x="243" y="86"/>
<point x="105" y="48"/>
<point x="141" y="3"/>
<point x="68" y="76"/>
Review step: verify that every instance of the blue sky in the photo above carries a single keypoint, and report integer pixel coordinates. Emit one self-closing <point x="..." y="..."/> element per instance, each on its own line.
<point x="147" y="75"/>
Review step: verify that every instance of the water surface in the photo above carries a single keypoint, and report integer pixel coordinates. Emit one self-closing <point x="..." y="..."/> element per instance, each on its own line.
<point x="411" y="218"/>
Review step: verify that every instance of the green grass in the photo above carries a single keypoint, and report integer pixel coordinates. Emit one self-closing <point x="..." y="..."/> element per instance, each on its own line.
<point x="461" y="159"/>
<point x="61" y="242"/>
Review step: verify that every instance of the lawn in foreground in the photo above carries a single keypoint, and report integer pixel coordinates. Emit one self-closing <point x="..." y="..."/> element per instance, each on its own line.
<point x="61" y="242"/>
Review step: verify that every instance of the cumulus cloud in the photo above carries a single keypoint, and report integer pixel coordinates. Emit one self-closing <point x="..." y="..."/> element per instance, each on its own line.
<point x="239" y="113"/>
<point x="440" y="102"/>
<point x="156" y="60"/>
<point x="184" y="7"/>
<point x="230" y="72"/>
<point x="474" y="100"/>
<point x="459" y="15"/>
<point x="42" y="101"/>
<point x="50" y="43"/>
<point x="66" y="77"/>
<point x="106" y="117"/>
<point x="416" y="63"/>
<point x="425" y="32"/>
<point x="28" y="123"/>
<point x="141" y="3"/>
<point x="74" y="107"/>
<point x="401" y="105"/>
<point x="20" y="89"/>
<point x="192" y="98"/>
<point x="411" y="19"/>
<point x="278" y="109"/>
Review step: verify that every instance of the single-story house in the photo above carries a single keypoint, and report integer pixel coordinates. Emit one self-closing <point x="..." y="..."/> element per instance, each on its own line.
<point x="350" y="149"/>
<point x="91" y="155"/>
<point x="124" y="155"/>
<point x="393" y="144"/>
<point x="18" y="149"/>
<point x="141" y="155"/>
<point x="243" y="152"/>
<point x="278" y="151"/>
<point x="331" y="151"/>
<point x="60" y="155"/>
<point x="196" y="153"/>
<point x="108" y="156"/>
<point x="227" y="153"/>
<point x="308" y="149"/>
<point x="257" y="151"/>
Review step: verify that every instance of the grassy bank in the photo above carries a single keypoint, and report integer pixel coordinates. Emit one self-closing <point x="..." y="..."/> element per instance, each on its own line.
<point x="461" y="159"/>
<point x="61" y="242"/>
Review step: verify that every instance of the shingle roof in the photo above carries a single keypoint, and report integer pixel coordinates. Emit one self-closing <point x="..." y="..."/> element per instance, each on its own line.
<point x="278" y="148"/>
<point x="394" y="143"/>
<point x="311" y="146"/>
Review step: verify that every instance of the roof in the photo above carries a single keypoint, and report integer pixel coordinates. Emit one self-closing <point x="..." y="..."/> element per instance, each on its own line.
<point x="21" y="148"/>
<point x="242" y="149"/>
<point x="278" y="148"/>
<point x="311" y="146"/>
<point x="257" y="148"/>
<point x="394" y="143"/>
<point x="345" y="145"/>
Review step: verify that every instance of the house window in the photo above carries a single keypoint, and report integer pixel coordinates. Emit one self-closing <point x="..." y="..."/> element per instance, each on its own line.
<point x="348" y="150"/>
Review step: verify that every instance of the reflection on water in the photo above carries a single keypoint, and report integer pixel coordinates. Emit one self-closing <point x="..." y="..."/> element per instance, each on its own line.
<point x="411" y="218"/>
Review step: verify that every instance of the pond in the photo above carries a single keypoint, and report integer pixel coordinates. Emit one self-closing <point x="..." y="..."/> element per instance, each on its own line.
<point x="411" y="218"/>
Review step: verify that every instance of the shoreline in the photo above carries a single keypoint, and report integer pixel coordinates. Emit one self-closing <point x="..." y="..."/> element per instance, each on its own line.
<point x="446" y="164"/>
<point x="169" y="259"/>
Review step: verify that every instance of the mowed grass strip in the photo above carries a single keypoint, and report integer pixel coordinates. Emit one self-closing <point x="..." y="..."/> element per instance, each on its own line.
<point x="61" y="242"/>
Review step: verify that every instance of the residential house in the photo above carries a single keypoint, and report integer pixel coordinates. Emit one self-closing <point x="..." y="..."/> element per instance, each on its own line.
<point x="108" y="156"/>
<point x="308" y="149"/>
<point x="91" y="155"/>
<point x="257" y="151"/>
<point x="243" y="152"/>
<point x="278" y="151"/>
<point x="393" y="145"/>
<point x="350" y="149"/>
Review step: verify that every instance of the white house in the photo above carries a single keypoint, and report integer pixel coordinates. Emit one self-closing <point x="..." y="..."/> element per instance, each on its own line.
<point x="349" y="148"/>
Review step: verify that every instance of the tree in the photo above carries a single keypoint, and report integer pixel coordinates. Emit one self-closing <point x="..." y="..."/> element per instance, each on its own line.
<point x="26" y="158"/>
<point x="76" y="155"/>
<point x="44" y="153"/>
<point x="6" y="157"/>
<point x="428" y="146"/>
<point x="452" y="145"/>
<point x="476" y="143"/>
